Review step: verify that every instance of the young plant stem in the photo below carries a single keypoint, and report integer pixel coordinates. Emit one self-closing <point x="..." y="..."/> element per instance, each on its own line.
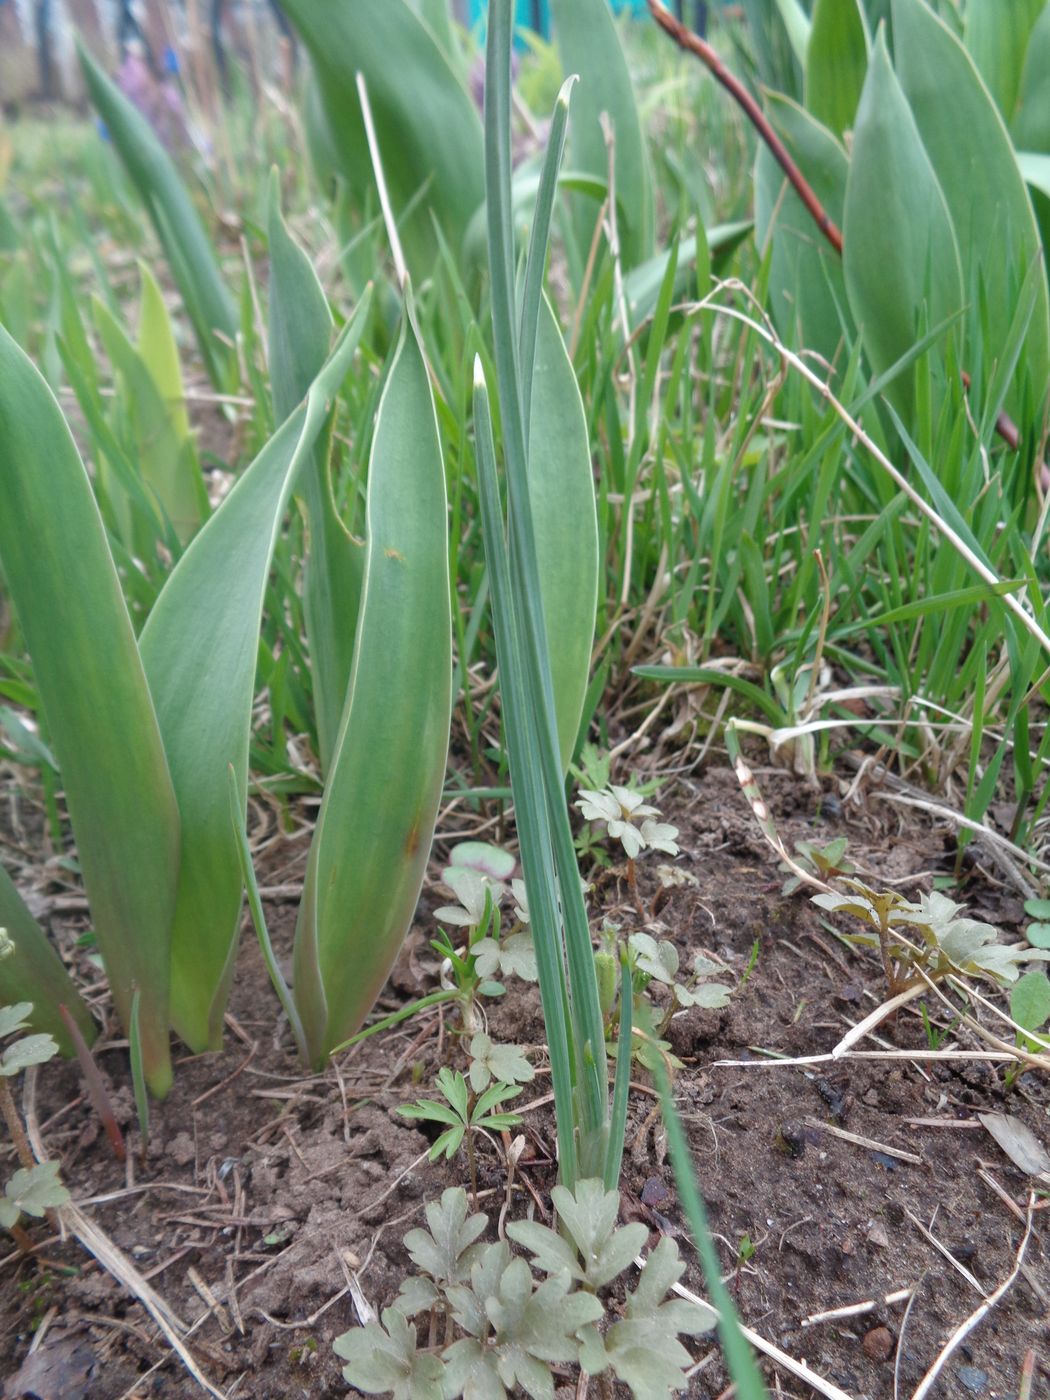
<point x="96" y="1087"/>
<point x="14" y="1126"/>
<point x="473" y="1167"/>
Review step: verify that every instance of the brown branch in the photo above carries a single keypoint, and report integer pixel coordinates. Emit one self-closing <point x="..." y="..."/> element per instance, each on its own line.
<point x="692" y="43"/>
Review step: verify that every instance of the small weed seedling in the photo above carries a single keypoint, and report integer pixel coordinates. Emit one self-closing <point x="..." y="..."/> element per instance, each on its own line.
<point x="629" y="819"/>
<point x="34" y="1188"/>
<point x="465" y="1113"/>
<point x="501" y="1329"/>
<point x="651" y="960"/>
<point x="932" y="935"/>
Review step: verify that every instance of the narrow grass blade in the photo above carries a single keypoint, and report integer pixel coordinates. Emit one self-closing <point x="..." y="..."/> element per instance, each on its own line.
<point x="186" y="245"/>
<point x="199" y="648"/>
<point x="34" y="972"/>
<point x="100" y="715"/>
<point x="739" y="1357"/>
<point x="372" y="840"/>
<point x="238" y="803"/>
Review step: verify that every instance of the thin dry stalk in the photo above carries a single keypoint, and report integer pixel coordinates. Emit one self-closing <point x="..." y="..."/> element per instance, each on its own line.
<point x="977" y="1316"/>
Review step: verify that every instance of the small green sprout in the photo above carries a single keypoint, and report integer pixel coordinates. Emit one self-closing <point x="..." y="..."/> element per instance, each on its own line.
<point x="465" y="1115"/>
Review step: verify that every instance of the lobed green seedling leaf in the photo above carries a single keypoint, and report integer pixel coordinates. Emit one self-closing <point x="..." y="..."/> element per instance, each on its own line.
<point x="386" y="1360"/>
<point x="32" y="1191"/>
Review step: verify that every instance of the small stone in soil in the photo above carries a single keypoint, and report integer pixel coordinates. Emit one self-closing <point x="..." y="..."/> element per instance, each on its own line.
<point x="877" y="1235"/>
<point x="790" y="1139"/>
<point x="972" y="1378"/>
<point x="878" y="1344"/>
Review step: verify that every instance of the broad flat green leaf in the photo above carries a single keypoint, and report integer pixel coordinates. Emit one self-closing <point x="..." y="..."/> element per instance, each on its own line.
<point x="186" y="245"/>
<point x="100" y="716"/>
<point x="561" y="493"/>
<point x="34" y="973"/>
<point x="300" y="329"/>
<point x="199" y="648"/>
<point x="1031" y="123"/>
<point x="806" y="283"/>
<point x="997" y="35"/>
<point x="995" y="228"/>
<point x="428" y="129"/>
<point x="901" y="259"/>
<point x="589" y="45"/>
<point x="373" y="834"/>
<point x="836" y="62"/>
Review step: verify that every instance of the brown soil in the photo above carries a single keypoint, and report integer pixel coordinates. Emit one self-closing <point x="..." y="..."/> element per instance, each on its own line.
<point x="269" y="1199"/>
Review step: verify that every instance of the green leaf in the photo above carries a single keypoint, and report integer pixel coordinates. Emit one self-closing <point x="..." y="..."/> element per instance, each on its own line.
<point x="199" y="648"/>
<point x="14" y="1018"/>
<point x="385" y="1360"/>
<point x="34" y="976"/>
<point x="300" y="330"/>
<point x="427" y="127"/>
<point x="449" y="1249"/>
<point x="589" y="45"/>
<point x="836" y="61"/>
<point x="30" y="1050"/>
<point x="1038" y="935"/>
<point x="490" y="1060"/>
<point x="187" y="247"/>
<point x="561" y="494"/>
<point x="1030" y="1001"/>
<point x="388" y="768"/>
<point x="100" y="715"/>
<point x="997" y="37"/>
<point x="589" y="1214"/>
<point x="995" y="229"/>
<point x="901" y="258"/>
<point x="32" y="1190"/>
<point x="1031" y="127"/>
